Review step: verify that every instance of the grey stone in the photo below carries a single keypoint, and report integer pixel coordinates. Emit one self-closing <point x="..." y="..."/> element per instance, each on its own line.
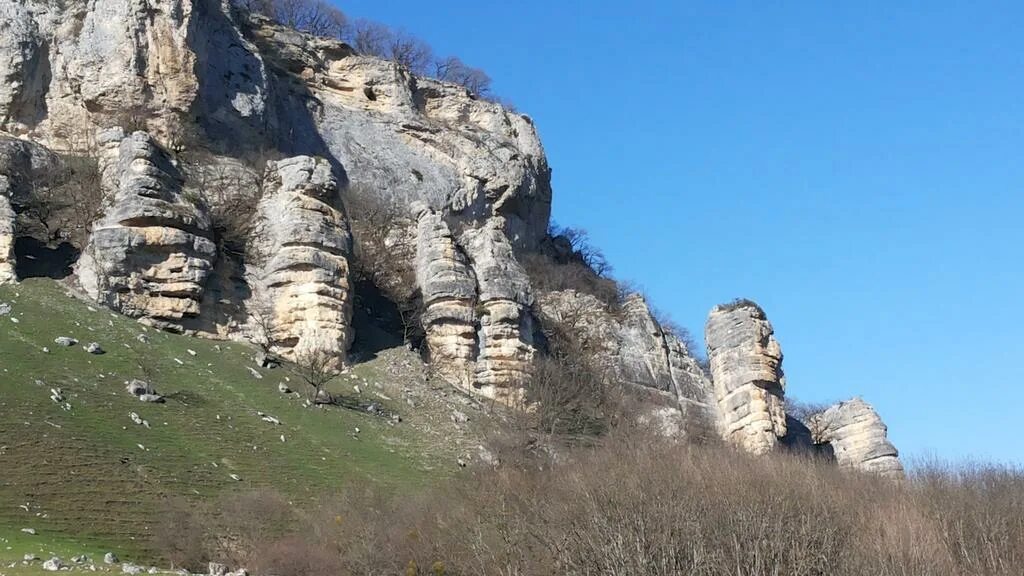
<point x="857" y="437"/>
<point x="150" y="254"/>
<point x="94" y="348"/>
<point x="53" y="564"/>
<point x="65" y="341"/>
<point x="304" y="295"/>
<point x="110" y="558"/>
<point x="746" y="367"/>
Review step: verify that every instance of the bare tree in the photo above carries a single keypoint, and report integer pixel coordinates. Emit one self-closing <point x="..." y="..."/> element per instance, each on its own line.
<point x="317" y="367"/>
<point x="315" y="17"/>
<point x="456" y="71"/>
<point x="369" y="38"/>
<point x="410" y="52"/>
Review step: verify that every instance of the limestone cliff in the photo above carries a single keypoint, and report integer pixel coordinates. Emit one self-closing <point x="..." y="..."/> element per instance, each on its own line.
<point x="746" y="366"/>
<point x="7" y="271"/>
<point x="301" y="247"/>
<point x="150" y="254"/>
<point x="239" y="160"/>
<point x="449" y="298"/>
<point x="631" y="345"/>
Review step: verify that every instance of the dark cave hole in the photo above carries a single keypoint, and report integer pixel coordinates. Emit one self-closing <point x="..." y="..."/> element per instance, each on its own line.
<point x="35" y="259"/>
<point x="378" y="323"/>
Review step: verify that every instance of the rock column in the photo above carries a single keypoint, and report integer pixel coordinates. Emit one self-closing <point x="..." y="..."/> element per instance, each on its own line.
<point x="746" y="366"/>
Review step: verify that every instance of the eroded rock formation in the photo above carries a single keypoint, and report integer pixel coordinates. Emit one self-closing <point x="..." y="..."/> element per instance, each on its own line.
<point x="633" y="347"/>
<point x="302" y="246"/>
<point x="7" y="271"/>
<point x="448" y="290"/>
<point x="746" y="367"/>
<point x="505" y="336"/>
<point x="858" y="438"/>
<point x="151" y="252"/>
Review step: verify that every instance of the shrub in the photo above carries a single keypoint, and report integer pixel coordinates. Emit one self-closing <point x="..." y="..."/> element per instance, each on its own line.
<point x="634" y="504"/>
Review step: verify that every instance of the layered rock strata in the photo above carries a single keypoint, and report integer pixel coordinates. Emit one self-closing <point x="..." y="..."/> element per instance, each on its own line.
<point x="302" y="245"/>
<point x="448" y="289"/>
<point x="150" y="253"/>
<point x="858" y="438"/>
<point x="505" y="335"/>
<point x="7" y="268"/>
<point x="746" y="367"/>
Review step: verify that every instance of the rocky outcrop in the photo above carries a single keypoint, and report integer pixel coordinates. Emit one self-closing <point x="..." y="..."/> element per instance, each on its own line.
<point x="505" y="335"/>
<point x="150" y="253"/>
<point x="302" y="246"/>
<point x="746" y="367"/>
<point x="7" y="270"/>
<point x="858" y="438"/>
<point x="448" y="289"/>
<point x="24" y="73"/>
<point x="632" y="346"/>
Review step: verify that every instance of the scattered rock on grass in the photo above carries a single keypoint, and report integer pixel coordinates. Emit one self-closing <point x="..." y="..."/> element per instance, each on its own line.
<point x="95" y="348"/>
<point x="110" y="558"/>
<point x="53" y="564"/>
<point x="65" y="341"/>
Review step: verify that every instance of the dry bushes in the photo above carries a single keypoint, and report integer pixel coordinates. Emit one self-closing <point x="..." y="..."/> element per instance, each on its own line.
<point x="636" y="505"/>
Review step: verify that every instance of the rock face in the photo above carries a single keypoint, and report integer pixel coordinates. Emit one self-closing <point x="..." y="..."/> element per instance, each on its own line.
<point x="7" y="273"/>
<point x="746" y="366"/>
<point x="302" y="244"/>
<point x="636" y="350"/>
<point x="506" y="325"/>
<point x="150" y="254"/>
<point x="858" y="438"/>
<point x="448" y="290"/>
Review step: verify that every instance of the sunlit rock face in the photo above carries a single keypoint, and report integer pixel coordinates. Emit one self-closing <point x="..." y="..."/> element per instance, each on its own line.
<point x="632" y="347"/>
<point x="150" y="253"/>
<point x="7" y="274"/>
<point x="448" y="289"/>
<point x="746" y="367"/>
<point x="858" y="438"/>
<point x="505" y="333"/>
<point x="301" y="244"/>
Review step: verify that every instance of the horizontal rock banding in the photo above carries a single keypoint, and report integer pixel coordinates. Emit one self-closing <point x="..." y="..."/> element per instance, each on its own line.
<point x="151" y="252"/>
<point x="858" y="438"/>
<point x="448" y="289"/>
<point x="746" y="366"/>
<point x="303" y="244"/>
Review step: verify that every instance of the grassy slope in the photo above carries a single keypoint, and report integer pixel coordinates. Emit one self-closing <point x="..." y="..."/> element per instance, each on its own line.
<point x="88" y="484"/>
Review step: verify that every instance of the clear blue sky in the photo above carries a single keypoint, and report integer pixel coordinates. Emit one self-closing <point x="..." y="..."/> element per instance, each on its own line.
<point x="857" y="170"/>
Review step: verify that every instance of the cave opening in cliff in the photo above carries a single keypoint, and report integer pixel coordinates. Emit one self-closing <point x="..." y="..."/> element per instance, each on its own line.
<point x="37" y="259"/>
<point x="381" y="323"/>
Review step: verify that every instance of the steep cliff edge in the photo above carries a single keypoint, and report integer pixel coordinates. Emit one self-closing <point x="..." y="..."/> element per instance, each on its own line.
<point x="241" y="164"/>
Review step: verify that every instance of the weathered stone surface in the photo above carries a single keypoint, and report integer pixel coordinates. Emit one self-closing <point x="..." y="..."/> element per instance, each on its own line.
<point x="746" y="367"/>
<point x="506" y="325"/>
<point x="7" y="271"/>
<point x="448" y="289"/>
<point x="150" y="254"/>
<point x="23" y="66"/>
<point x="302" y="242"/>
<point x="636" y="350"/>
<point x="858" y="438"/>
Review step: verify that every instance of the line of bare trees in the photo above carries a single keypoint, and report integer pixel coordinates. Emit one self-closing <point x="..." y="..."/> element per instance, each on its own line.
<point x="319" y="18"/>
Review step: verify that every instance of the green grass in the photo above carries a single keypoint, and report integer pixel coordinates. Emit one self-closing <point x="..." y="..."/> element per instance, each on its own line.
<point x="93" y="481"/>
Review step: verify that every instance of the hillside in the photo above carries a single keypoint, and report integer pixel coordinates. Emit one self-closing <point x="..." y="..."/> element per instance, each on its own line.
<point x="93" y="481"/>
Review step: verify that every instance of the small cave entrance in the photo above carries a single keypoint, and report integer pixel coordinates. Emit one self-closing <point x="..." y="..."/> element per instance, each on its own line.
<point x="380" y="323"/>
<point x="36" y="259"/>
